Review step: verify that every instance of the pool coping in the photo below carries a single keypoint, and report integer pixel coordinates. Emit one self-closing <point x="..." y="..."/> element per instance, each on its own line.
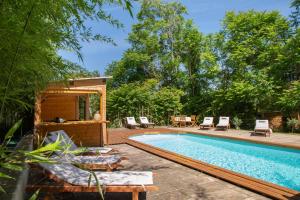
<point x="254" y="184"/>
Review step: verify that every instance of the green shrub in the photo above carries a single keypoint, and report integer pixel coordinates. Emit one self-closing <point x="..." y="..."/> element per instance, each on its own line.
<point x="292" y="124"/>
<point x="143" y="99"/>
<point x="237" y="122"/>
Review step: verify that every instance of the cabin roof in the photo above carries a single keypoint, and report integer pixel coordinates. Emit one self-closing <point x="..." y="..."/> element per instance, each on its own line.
<point x="77" y="86"/>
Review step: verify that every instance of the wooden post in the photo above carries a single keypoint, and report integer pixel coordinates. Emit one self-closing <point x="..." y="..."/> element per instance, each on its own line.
<point x="101" y="135"/>
<point x="135" y="195"/>
<point x="102" y="111"/>
<point x="77" y="108"/>
<point x="87" y="107"/>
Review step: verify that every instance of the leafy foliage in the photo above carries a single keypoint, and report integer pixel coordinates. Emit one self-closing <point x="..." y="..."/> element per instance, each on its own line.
<point x="13" y="160"/>
<point x="292" y="123"/>
<point x="143" y="100"/>
<point x="31" y="37"/>
<point x="289" y="101"/>
<point x="242" y="70"/>
<point x="237" y="122"/>
<point x="295" y="15"/>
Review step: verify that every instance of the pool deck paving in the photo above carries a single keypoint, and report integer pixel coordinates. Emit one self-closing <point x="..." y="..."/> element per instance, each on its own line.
<point x="281" y="138"/>
<point x="117" y="135"/>
<point x="189" y="183"/>
<point x="175" y="181"/>
<point x="179" y="182"/>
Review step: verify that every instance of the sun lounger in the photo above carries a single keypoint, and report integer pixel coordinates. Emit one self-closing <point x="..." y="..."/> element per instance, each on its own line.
<point x="96" y="162"/>
<point x="131" y="123"/>
<point x="223" y="123"/>
<point x="66" y="140"/>
<point x="145" y="122"/>
<point x="207" y="122"/>
<point x="262" y="127"/>
<point x="108" y="162"/>
<point x="69" y="178"/>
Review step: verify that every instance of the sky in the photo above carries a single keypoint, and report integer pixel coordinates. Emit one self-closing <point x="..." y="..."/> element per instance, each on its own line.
<point x="206" y="14"/>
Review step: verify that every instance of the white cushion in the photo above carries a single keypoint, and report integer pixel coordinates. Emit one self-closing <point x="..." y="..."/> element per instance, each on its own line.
<point x="102" y="160"/>
<point x="223" y="121"/>
<point x="207" y="121"/>
<point x="262" y="124"/>
<point x="131" y="120"/>
<point x="76" y="176"/>
<point x="144" y="120"/>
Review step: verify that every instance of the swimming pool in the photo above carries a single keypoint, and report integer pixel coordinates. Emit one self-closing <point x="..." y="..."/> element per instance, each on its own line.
<point x="273" y="164"/>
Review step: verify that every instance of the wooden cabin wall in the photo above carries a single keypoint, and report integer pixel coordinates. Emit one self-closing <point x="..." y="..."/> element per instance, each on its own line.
<point x="82" y="134"/>
<point x="59" y="106"/>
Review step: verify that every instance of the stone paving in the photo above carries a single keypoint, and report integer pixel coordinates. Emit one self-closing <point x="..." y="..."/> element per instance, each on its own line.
<point x="177" y="182"/>
<point x="283" y="138"/>
<point x="116" y="135"/>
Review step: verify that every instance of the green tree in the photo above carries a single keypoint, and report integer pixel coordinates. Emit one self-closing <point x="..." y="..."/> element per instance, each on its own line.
<point x="129" y="100"/>
<point x="133" y="66"/>
<point x="249" y="47"/>
<point x="292" y="123"/>
<point x="157" y="35"/>
<point x="295" y="15"/>
<point x="252" y="40"/>
<point x="165" y="103"/>
<point x="289" y="101"/>
<point x="30" y="39"/>
<point x="288" y="66"/>
<point x="143" y="99"/>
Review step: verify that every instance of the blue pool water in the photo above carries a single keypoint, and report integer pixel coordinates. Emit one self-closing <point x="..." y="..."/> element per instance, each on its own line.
<point x="270" y="163"/>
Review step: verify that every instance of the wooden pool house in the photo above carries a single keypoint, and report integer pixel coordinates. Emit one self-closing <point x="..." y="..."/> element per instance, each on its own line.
<point x="66" y="106"/>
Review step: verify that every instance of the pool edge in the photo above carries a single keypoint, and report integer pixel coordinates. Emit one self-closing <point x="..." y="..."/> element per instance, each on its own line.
<point x="257" y="185"/>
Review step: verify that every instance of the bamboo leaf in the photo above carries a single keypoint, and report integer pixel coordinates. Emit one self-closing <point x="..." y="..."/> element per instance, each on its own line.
<point x="35" y="195"/>
<point x="2" y="175"/>
<point x="11" y="131"/>
<point x="11" y="166"/>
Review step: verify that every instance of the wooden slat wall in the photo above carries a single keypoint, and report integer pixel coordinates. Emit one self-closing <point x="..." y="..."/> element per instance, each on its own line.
<point x="82" y="134"/>
<point x="58" y="106"/>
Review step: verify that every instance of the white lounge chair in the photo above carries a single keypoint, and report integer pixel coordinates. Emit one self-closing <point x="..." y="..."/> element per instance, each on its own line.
<point x="107" y="163"/>
<point x="69" y="178"/>
<point x="145" y="122"/>
<point x="131" y="123"/>
<point x="262" y="127"/>
<point x="66" y="140"/>
<point x="207" y="122"/>
<point x="223" y="123"/>
<point x="99" y="162"/>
